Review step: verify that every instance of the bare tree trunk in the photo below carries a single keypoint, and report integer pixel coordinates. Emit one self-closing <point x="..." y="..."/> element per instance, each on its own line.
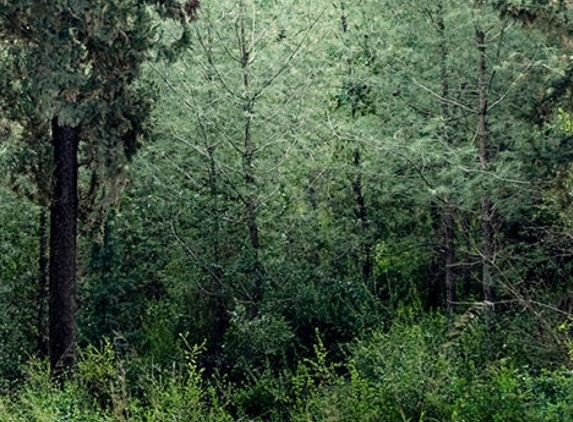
<point x="449" y="209"/>
<point x="63" y="232"/>
<point x="487" y="211"/>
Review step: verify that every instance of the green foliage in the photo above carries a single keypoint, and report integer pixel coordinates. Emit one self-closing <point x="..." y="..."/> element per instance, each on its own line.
<point x="18" y="280"/>
<point x="255" y="341"/>
<point x="408" y="374"/>
<point x="181" y="395"/>
<point x="413" y="371"/>
<point x="40" y="401"/>
<point x="341" y="132"/>
<point x="101" y="391"/>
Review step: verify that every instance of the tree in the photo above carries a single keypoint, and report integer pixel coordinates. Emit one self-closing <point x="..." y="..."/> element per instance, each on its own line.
<point x="76" y="64"/>
<point x="242" y="128"/>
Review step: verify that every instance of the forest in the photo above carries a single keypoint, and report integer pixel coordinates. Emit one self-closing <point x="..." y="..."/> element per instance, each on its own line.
<point x="286" y="210"/>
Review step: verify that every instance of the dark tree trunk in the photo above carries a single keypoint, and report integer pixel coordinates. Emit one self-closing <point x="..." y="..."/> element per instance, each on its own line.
<point x="450" y="257"/>
<point x="63" y="230"/>
<point x="468" y="262"/>
<point x="434" y="297"/>
<point x="362" y="215"/>
<point x="487" y="247"/>
<point x="218" y="308"/>
<point x="42" y="294"/>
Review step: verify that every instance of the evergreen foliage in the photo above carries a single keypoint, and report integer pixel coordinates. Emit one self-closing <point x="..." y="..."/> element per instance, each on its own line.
<point x="346" y="211"/>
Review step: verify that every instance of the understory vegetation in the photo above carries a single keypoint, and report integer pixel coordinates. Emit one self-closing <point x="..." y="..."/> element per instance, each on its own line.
<point x="417" y="369"/>
<point x="286" y="210"/>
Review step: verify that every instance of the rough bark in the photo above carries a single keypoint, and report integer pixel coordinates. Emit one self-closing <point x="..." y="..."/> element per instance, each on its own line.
<point x="63" y="231"/>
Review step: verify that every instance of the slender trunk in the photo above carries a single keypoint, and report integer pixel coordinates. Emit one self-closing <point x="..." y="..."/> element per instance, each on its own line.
<point x="63" y="231"/>
<point x="444" y="74"/>
<point x="362" y="216"/>
<point x="248" y="145"/>
<point x="42" y="294"/>
<point x="468" y="261"/>
<point x="450" y="257"/>
<point x="361" y="208"/>
<point x="449" y="208"/>
<point x="216" y="292"/>
<point x="434" y="280"/>
<point x="487" y="247"/>
<point x="343" y="17"/>
<point x="250" y="199"/>
<point x="314" y="255"/>
<point x="217" y="297"/>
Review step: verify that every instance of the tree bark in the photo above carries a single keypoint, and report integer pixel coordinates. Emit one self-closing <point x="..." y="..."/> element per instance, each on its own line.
<point x="63" y="232"/>
<point x="487" y="211"/>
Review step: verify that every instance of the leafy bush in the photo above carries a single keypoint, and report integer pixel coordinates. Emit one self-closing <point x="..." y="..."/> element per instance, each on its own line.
<point x="395" y="375"/>
<point x="412" y="372"/>
<point x="101" y="392"/>
<point x="40" y="400"/>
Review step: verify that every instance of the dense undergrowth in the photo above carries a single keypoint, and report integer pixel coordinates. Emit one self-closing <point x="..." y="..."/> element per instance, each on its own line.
<point x="415" y="370"/>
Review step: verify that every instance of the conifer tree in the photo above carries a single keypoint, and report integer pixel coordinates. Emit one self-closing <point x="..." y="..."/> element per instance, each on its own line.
<point x="74" y="65"/>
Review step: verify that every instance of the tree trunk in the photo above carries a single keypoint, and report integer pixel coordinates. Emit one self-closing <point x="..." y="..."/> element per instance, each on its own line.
<point x="434" y="280"/>
<point x="449" y="209"/>
<point x="487" y="247"/>
<point x="217" y="295"/>
<point x="365" y="248"/>
<point x="63" y="231"/>
<point x="362" y="216"/>
<point x="450" y="257"/>
<point x="250" y="199"/>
